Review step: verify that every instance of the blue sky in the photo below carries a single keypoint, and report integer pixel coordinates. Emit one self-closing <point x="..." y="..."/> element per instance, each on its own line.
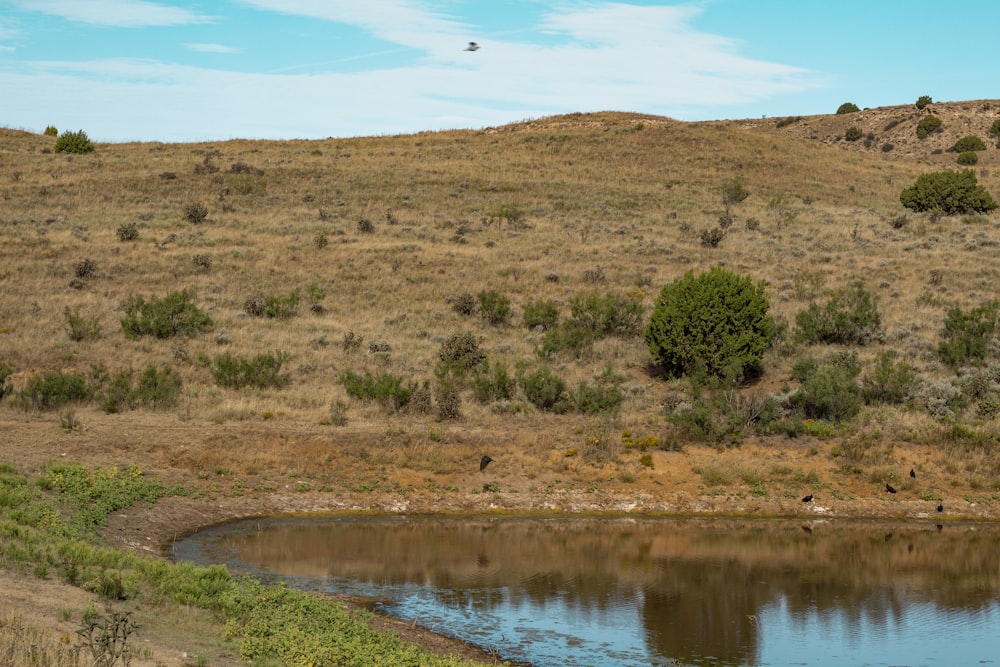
<point x="189" y="70"/>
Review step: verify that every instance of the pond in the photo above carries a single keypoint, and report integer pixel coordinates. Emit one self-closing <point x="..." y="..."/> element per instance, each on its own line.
<point x="559" y="590"/>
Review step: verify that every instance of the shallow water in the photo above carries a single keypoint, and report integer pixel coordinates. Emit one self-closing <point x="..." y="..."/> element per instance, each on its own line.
<point x="650" y="591"/>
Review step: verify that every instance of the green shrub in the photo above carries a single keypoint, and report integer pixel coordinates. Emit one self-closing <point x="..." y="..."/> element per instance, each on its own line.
<point x="850" y="317"/>
<point x="948" y="192"/>
<point x="74" y="142"/>
<point x="830" y="390"/>
<point x="596" y="399"/>
<point x="541" y="314"/>
<point x="464" y="304"/>
<point x="54" y="389"/>
<point x="128" y="231"/>
<point x="261" y="372"/>
<point x="716" y="322"/>
<point x="612" y="314"/>
<point x="51" y="131"/>
<point x="447" y="392"/>
<point x="890" y="381"/>
<point x="927" y="125"/>
<point x="968" y="143"/>
<point x="967" y="335"/>
<point x="923" y="101"/>
<point x="847" y="107"/>
<point x="853" y="133"/>
<point x="494" y="307"/>
<point x="493" y="383"/>
<point x="567" y="337"/>
<point x="174" y="314"/>
<point x="81" y="328"/>
<point x="733" y="192"/>
<point x="994" y="130"/>
<point x="386" y="389"/>
<point x="545" y="390"/>
<point x="967" y="158"/>
<point x="157" y="388"/>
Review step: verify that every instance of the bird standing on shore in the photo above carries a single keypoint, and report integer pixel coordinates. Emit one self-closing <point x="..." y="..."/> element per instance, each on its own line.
<point x="913" y="473"/>
<point x="483" y="462"/>
<point x="889" y="488"/>
<point x="808" y="499"/>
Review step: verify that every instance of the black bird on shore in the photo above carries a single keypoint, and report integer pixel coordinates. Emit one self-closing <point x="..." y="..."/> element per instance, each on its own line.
<point x="808" y="529"/>
<point x="808" y="499"/>
<point x="913" y="473"/>
<point x="889" y="488"/>
<point x="483" y="462"/>
<point x="940" y="508"/>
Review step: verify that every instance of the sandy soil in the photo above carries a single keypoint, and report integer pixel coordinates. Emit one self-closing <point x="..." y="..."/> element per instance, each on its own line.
<point x="239" y="470"/>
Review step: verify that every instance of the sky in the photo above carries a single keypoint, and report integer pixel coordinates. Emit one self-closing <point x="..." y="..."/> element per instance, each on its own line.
<point x="205" y="70"/>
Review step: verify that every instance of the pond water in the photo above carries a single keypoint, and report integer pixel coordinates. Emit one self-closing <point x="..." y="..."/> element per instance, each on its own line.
<point x="650" y="591"/>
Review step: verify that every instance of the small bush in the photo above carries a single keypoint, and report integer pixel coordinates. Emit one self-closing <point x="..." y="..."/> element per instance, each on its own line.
<point x="162" y="318"/>
<point x="967" y="158"/>
<point x="449" y="399"/>
<point x="51" y="131"/>
<point x="609" y="314"/>
<point x="74" y="142"/>
<point x="545" y="390"/>
<point x="81" y="328"/>
<point x="967" y="335"/>
<point x="716" y="322"/>
<point x="128" y="231"/>
<point x="54" y="389"/>
<point x="596" y="399"/>
<point x="464" y="304"/>
<point x="195" y="212"/>
<point x="541" y="315"/>
<point x="923" y="101"/>
<point x="281" y="307"/>
<point x="948" y="192"/>
<point x="85" y="268"/>
<point x="493" y="383"/>
<point x="890" y="381"/>
<point x="712" y="237"/>
<point x="366" y="226"/>
<point x="994" y="130"/>
<point x="928" y="125"/>
<point x="853" y="133"/>
<point x="830" y="390"/>
<point x="387" y="390"/>
<point x="850" y="317"/>
<point x="261" y="372"/>
<point x="156" y="388"/>
<point x="567" y="337"/>
<point x="5" y="373"/>
<point x="494" y="307"/>
<point x="847" y="107"/>
<point x="968" y="143"/>
<point x="459" y="353"/>
<point x="733" y="192"/>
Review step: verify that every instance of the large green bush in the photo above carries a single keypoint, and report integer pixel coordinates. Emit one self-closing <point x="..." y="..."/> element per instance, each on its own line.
<point x="890" y="381"/>
<point x="261" y="372"/>
<point x="174" y="314"/>
<point x="847" y="107"/>
<point x="54" y="389"/>
<point x="545" y="390"/>
<point x="386" y="389"/>
<point x="716" y="322"/>
<point x="74" y="142"/>
<point x="923" y="101"/>
<point x="829" y="390"/>
<point x="850" y="317"/>
<point x="948" y="192"/>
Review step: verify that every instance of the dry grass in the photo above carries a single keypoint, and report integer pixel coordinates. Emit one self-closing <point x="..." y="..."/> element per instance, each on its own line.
<point x="539" y="210"/>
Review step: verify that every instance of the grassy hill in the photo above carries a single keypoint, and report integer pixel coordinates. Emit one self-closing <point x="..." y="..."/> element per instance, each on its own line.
<point x="369" y="256"/>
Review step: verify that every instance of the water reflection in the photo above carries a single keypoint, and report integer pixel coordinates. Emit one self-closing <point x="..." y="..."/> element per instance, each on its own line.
<point x="614" y="591"/>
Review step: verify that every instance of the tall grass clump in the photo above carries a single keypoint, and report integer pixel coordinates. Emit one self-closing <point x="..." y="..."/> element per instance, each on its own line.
<point x="173" y="315"/>
<point x="715" y="322"/>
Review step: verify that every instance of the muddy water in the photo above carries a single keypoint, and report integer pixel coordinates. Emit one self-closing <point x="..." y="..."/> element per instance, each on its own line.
<point x="650" y="591"/>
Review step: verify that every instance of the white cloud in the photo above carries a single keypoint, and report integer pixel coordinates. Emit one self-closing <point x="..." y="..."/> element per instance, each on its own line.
<point x="120" y="13"/>
<point x="7" y="49"/>
<point x="213" y="48"/>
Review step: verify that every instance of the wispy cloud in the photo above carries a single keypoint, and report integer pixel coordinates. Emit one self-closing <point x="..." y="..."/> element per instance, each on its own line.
<point x="120" y="13"/>
<point x="213" y="48"/>
<point x="7" y="49"/>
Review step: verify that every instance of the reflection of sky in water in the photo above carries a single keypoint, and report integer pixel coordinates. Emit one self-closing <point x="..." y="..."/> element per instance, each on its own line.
<point x="921" y="634"/>
<point x="930" y="602"/>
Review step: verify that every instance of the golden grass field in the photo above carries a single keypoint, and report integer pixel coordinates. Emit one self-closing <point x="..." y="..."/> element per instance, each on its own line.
<point x="385" y="232"/>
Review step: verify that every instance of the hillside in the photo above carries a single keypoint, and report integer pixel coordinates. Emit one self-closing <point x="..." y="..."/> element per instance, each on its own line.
<point x="322" y="261"/>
